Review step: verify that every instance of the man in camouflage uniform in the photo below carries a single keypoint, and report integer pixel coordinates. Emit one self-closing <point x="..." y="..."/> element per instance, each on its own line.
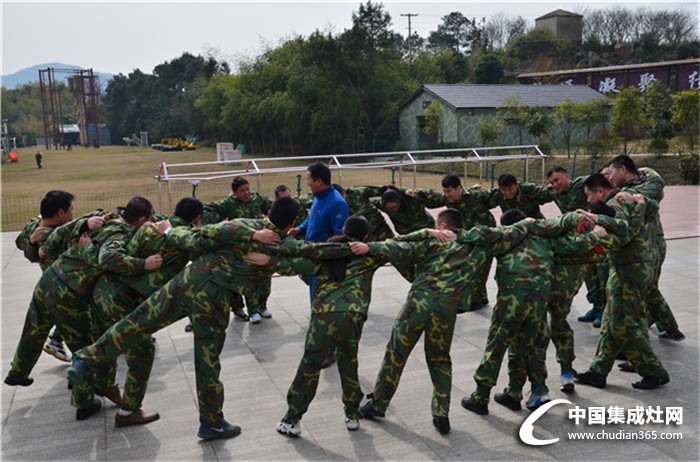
<point x="304" y="203"/>
<point x="570" y="196"/>
<point x="526" y="197"/>
<point x="242" y="203"/>
<point x="203" y="291"/>
<point x="625" y="326"/>
<point x="519" y="321"/>
<point x="432" y="304"/>
<point x="338" y="313"/>
<point x="406" y="212"/>
<point x="115" y="296"/>
<point x="360" y="204"/>
<point x="474" y="204"/>
<point x="623" y="174"/>
<point x="56" y="210"/>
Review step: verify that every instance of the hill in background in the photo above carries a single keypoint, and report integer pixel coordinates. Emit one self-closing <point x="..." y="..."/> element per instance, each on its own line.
<point x="31" y="75"/>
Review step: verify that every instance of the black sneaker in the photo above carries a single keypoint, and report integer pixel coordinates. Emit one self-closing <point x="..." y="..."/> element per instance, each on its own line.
<point x="627" y="367"/>
<point x="220" y="431"/>
<point x="475" y="406"/>
<point x="188" y="327"/>
<point x="508" y="401"/>
<point x="649" y="383"/>
<point x="589" y="316"/>
<point x="369" y="411"/>
<point x="591" y="378"/>
<point x="84" y="413"/>
<point x="674" y="335"/>
<point x="442" y="423"/>
<point x="18" y="381"/>
<point x="241" y="315"/>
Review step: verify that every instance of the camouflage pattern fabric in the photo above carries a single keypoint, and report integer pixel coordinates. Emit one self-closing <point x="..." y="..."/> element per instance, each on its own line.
<point x="528" y="199"/>
<point x="650" y="184"/>
<point x="432" y="303"/>
<point x="573" y="198"/>
<point x="412" y="215"/>
<point x="359" y="203"/>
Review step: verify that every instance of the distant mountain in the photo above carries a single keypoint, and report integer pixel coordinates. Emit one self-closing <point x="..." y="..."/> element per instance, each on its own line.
<point x="31" y="74"/>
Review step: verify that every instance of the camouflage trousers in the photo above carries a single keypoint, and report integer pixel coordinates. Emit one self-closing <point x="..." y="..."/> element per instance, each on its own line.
<point x="421" y="313"/>
<point x="518" y="323"/>
<point x="624" y="326"/>
<point x="596" y="277"/>
<point x="344" y="328"/>
<point x="256" y="302"/>
<point x="112" y="300"/>
<point x="658" y="310"/>
<point x="566" y="282"/>
<point x="190" y="293"/>
<point x="54" y="303"/>
<point x="479" y="293"/>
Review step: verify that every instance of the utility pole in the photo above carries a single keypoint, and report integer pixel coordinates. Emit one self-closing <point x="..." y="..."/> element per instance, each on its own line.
<point x="409" y="16"/>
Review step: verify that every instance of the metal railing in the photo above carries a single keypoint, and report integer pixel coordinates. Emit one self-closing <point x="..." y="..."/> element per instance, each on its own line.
<point x="197" y="172"/>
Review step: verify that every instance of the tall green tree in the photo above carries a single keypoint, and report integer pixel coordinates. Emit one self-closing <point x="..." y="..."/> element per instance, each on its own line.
<point x="627" y="115"/>
<point x="489" y="69"/>
<point x="515" y="113"/>
<point x="566" y="117"/>
<point x="685" y="113"/>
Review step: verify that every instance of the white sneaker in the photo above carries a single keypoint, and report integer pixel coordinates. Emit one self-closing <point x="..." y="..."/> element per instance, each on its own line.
<point x="352" y="424"/>
<point x="534" y="401"/>
<point x="266" y="314"/>
<point x="284" y="428"/>
<point x="255" y="318"/>
<point x="57" y="350"/>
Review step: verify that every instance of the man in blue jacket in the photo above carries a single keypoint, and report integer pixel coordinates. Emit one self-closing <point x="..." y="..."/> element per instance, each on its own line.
<point x="326" y="218"/>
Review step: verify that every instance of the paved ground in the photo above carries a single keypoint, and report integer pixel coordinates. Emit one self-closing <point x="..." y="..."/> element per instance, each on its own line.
<point x="259" y="362"/>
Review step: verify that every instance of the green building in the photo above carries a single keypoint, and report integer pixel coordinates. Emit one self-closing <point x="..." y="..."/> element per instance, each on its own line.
<point x="460" y="109"/>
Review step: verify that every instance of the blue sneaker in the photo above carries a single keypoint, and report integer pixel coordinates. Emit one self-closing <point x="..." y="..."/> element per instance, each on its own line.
<point x="78" y="372"/>
<point x="567" y="382"/>
<point x="221" y="431"/>
<point x="535" y="401"/>
<point x="589" y="316"/>
<point x="598" y="319"/>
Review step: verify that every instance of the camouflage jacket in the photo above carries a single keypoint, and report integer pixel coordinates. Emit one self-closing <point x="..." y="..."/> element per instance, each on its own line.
<point x="230" y="208"/>
<point x="651" y="185"/>
<point x="528" y="199"/>
<point x="79" y="268"/>
<point x="359" y="203"/>
<point x="634" y="246"/>
<point x="474" y="205"/>
<point x="412" y="215"/>
<point x="148" y="241"/>
<point x="574" y="198"/>
<point x="226" y="265"/>
<point x="444" y="273"/>
<point x="304" y="204"/>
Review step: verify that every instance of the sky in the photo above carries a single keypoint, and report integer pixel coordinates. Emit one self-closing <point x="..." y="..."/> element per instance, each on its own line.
<point x="120" y="36"/>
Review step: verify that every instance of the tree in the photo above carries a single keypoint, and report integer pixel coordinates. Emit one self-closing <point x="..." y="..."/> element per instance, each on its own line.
<point x="433" y="119"/>
<point x="685" y="113"/>
<point x="627" y="115"/>
<point x="489" y="69"/>
<point x="515" y="113"/>
<point x="566" y="116"/>
<point x="457" y="32"/>
<point x="593" y="113"/>
<point x="500" y="29"/>
<point x="657" y="102"/>
<point x="539" y="119"/>
<point x="489" y="131"/>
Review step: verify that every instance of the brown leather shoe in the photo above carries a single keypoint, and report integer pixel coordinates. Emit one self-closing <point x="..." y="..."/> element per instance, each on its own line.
<point x="135" y="418"/>
<point x="111" y="393"/>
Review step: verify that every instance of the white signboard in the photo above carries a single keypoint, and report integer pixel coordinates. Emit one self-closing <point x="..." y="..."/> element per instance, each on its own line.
<point x="225" y="152"/>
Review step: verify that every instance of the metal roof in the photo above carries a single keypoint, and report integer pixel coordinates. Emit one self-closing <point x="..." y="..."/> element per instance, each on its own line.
<point x="465" y="96"/>
<point x="559" y="12"/>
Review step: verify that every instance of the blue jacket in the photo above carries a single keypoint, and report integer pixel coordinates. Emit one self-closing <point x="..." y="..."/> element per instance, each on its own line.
<point x="326" y="217"/>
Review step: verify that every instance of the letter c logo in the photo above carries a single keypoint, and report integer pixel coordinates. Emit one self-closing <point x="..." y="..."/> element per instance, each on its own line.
<point x="526" y="428"/>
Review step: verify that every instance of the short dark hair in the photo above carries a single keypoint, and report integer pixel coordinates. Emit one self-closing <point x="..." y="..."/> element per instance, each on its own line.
<point x="391" y="195"/>
<point x="507" y="179"/>
<point x="55" y="201"/>
<point x="136" y="208"/>
<point x="512" y="216"/>
<point x="356" y="227"/>
<point x="283" y="212"/>
<point x="188" y="208"/>
<point x="451" y="181"/>
<point x="339" y="188"/>
<point x="601" y="208"/>
<point x="624" y="161"/>
<point x="320" y="171"/>
<point x="238" y="182"/>
<point x="280" y="189"/>
<point x="556" y="169"/>
<point x="597" y="181"/>
<point x="451" y="217"/>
